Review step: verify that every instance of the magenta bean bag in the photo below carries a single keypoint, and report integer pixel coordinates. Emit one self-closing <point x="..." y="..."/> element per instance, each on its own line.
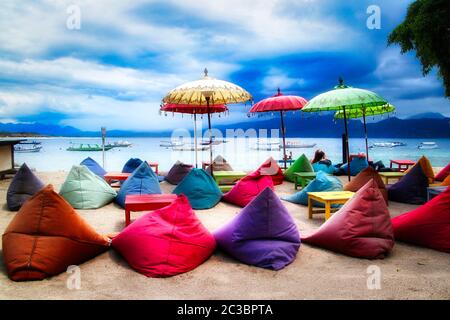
<point x="247" y="189"/>
<point x="443" y="173"/>
<point x="263" y="234"/>
<point x="361" y="228"/>
<point x="166" y="242"/>
<point x="428" y="225"/>
<point x="270" y="168"/>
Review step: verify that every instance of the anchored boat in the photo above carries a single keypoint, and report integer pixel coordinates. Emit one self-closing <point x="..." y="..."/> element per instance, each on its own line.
<point x="88" y="147"/>
<point x="28" y="146"/>
<point x="297" y="145"/>
<point x="427" y="145"/>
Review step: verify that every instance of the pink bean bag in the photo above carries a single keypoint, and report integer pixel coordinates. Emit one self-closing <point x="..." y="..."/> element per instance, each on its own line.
<point x="166" y="242"/>
<point x="361" y="228"/>
<point x="270" y="168"/>
<point x="428" y="225"/>
<point x="247" y="189"/>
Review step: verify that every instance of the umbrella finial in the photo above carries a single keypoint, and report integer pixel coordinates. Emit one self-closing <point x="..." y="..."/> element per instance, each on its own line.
<point x="279" y="92"/>
<point x="341" y="81"/>
<point x="206" y="72"/>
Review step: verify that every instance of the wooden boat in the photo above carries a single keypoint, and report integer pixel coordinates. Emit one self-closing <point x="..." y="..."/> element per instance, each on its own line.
<point x="427" y="145"/>
<point x="119" y="144"/>
<point x="190" y="147"/>
<point x="26" y="147"/>
<point x="297" y="145"/>
<point x="88" y="147"/>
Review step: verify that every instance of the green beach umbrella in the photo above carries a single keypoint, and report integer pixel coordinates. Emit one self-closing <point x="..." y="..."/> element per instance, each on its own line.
<point x="363" y="113"/>
<point x="344" y="98"/>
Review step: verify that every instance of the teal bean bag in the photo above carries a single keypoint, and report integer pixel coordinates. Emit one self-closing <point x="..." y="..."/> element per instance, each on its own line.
<point x="323" y="167"/>
<point x="322" y="182"/>
<point x="356" y="166"/>
<point x="83" y="189"/>
<point x="200" y="189"/>
<point x="142" y="181"/>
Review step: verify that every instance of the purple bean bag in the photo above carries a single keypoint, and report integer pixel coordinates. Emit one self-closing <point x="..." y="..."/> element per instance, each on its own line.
<point x="263" y="234"/>
<point x="178" y="171"/>
<point x="412" y="188"/>
<point x="23" y="186"/>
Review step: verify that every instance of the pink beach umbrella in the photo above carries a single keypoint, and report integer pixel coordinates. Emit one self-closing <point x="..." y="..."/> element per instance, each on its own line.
<point x="280" y="103"/>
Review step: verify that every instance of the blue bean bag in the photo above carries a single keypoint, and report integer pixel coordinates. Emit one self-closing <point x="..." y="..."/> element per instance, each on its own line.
<point x="356" y="166"/>
<point x="142" y="181"/>
<point x="323" y="167"/>
<point x="263" y="234"/>
<point x="200" y="189"/>
<point x="412" y="188"/>
<point x="93" y="165"/>
<point x="131" y="165"/>
<point x="322" y="182"/>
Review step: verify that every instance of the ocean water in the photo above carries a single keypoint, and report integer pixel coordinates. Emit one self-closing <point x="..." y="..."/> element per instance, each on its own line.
<point x="238" y="152"/>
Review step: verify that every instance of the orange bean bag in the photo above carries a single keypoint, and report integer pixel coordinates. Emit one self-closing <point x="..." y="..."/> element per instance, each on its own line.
<point x="46" y="236"/>
<point x="427" y="169"/>
<point x="363" y="177"/>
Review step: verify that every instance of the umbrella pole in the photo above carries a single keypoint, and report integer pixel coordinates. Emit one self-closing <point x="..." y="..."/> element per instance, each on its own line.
<point x="210" y="139"/>
<point x="365" y="132"/>
<point x="284" y="139"/>
<point x="346" y="144"/>
<point x="195" y="140"/>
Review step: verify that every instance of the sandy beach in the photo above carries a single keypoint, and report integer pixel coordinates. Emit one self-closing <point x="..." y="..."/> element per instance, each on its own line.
<point x="409" y="272"/>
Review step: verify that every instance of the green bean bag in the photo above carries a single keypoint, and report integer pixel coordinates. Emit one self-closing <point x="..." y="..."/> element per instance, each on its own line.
<point x="302" y="164"/>
<point x="83" y="189"/>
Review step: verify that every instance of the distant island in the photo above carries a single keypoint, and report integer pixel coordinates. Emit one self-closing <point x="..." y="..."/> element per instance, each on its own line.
<point x="426" y="125"/>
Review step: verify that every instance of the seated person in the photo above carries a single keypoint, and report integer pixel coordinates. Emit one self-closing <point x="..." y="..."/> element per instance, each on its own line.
<point x="321" y="163"/>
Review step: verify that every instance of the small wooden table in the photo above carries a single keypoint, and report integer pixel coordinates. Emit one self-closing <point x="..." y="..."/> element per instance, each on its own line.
<point x="229" y="175"/>
<point x="328" y="198"/>
<point x="301" y="178"/>
<point x="403" y="165"/>
<point x="391" y="175"/>
<point x="435" y="191"/>
<point x="145" y="202"/>
<point x="116" y="176"/>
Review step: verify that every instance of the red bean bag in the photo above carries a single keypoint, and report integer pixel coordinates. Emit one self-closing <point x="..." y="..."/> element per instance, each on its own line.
<point x="363" y="177"/>
<point x="270" y="168"/>
<point x="428" y="225"/>
<point x="247" y="189"/>
<point x="166" y="242"/>
<point x="361" y="228"/>
<point x="46" y="236"/>
<point x="444" y="173"/>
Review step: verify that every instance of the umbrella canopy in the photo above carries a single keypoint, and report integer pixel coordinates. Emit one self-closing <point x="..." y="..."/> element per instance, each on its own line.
<point x="344" y="98"/>
<point x="207" y="92"/>
<point x="363" y="113"/>
<point x="201" y="91"/>
<point x="193" y="109"/>
<point x="280" y="103"/>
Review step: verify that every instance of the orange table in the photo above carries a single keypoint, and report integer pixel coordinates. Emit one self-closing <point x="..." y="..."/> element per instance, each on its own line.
<point x="116" y="176"/>
<point x="403" y="165"/>
<point x="143" y="202"/>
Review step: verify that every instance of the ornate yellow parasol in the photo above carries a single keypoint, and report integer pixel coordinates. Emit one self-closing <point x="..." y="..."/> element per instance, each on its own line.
<point x="207" y="92"/>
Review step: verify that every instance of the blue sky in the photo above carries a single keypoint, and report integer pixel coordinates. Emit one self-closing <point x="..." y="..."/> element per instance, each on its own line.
<point x="117" y="67"/>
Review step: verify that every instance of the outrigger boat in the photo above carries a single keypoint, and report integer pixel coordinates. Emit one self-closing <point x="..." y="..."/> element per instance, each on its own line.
<point x="28" y="146"/>
<point x="297" y="145"/>
<point x="427" y="145"/>
<point x="190" y="147"/>
<point x="119" y="144"/>
<point x="388" y="144"/>
<point x="88" y="147"/>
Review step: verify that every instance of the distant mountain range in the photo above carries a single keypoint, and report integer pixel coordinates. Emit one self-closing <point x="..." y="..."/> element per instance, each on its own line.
<point x="428" y="125"/>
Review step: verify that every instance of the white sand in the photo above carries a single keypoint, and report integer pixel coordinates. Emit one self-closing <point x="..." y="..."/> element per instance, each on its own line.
<point x="410" y="272"/>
